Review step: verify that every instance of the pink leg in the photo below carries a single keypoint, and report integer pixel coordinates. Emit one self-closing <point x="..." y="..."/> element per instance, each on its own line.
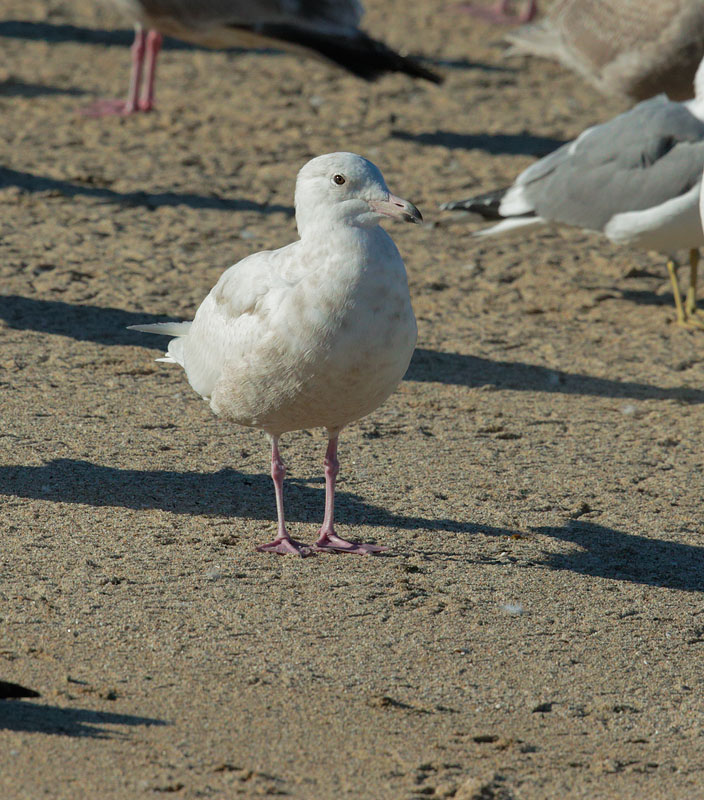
<point x="327" y="538"/>
<point x="138" y="50"/>
<point x="154" y="40"/>
<point x="499" y="12"/>
<point x="283" y="543"/>
<point x="104" y="108"/>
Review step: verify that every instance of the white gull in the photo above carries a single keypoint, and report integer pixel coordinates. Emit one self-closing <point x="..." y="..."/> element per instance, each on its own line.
<point x="635" y="178"/>
<point x="315" y="334"/>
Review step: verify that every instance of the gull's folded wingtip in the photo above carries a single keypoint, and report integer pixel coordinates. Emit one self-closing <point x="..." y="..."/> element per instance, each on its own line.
<point x="163" y="328"/>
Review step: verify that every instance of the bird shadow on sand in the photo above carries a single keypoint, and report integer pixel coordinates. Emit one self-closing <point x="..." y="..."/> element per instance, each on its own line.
<point x="467" y="65"/>
<point x="523" y="144"/>
<point x="603" y="552"/>
<point x="642" y="297"/>
<point x="30" y="182"/>
<point x="59" y="34"/>
<point x="464" y="370"/>
<point x="227" y="492"/>
<point x="83" y="323"/>
<point x="609" y="553"/>
<point x="22" y="716"/>
<point x="16" y="88"/>
<point x="108" y="326"/>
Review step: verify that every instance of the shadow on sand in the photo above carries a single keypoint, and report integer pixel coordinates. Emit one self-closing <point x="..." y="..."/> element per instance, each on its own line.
<point x="227" y="492"/>
<point x="16" y="88"/>
<point x="83" y="323"/>
<point x="29" y="182"/>
<point x="609" y="553"/>
<point x="464" y="370"/>
<point x="468" y="65"/>
<point x="57" y="34"/>
<point x="641" y="297"/>
<point x="603" y="552"/>
<point x="29" y="717"/>
<point x="108" y="326"/>
<point x="521" y="144"/>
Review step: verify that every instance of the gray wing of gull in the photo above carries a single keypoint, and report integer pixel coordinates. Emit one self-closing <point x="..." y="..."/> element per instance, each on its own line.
<point x="636" y="161"/>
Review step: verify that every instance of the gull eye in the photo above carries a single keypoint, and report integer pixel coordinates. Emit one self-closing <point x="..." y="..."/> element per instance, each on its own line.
<point x="338" y="179"/>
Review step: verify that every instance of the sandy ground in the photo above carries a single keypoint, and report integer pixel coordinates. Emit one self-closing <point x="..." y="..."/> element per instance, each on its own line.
<point x="537" y="629"/>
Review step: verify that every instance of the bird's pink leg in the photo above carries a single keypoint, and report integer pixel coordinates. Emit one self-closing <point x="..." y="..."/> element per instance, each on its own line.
<point x="499" y="12"/>
<point x="327" y="538"/>
<point x="154" y="40"/>
<point x="104" y="108"/>
<point x="138" y="50"/>
<point x="283" y="543"/>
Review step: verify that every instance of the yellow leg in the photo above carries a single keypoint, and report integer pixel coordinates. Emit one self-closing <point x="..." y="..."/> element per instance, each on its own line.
<point x="687" y="313"/>
<point x="672" y="269"/>
<point x="690" y="305"/>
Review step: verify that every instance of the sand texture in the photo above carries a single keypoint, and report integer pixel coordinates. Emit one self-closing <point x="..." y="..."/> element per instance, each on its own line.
<point x="536" y="631"/>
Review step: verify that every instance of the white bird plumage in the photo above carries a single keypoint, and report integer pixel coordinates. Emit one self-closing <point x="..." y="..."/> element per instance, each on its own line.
<point x="315" y="334"/>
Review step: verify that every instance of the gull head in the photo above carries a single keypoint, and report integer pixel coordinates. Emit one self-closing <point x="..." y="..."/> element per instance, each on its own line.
<point x="346" y="189"/>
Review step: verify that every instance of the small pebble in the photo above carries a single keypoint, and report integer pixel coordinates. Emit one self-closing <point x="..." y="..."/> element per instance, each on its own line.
<point x="516" y="609"/>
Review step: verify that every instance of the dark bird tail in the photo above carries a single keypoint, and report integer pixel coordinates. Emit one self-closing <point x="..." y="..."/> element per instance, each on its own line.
<point x="359" y="54"/>
<point x="486" y="205"/>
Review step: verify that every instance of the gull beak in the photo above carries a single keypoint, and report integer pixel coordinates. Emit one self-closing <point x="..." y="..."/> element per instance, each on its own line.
<point x="396" y="207"/>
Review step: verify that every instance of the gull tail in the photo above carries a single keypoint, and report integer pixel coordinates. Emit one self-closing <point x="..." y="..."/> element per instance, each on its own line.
<point x="164" y="328"/>
<point x="361" y="55"/>
<point x="510" y="224"/>
<point x="486" y="205"/>
<point x="174" y="354"/>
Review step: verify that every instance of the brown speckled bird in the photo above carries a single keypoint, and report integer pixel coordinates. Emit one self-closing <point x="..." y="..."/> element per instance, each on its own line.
<point x="629" y="48"/>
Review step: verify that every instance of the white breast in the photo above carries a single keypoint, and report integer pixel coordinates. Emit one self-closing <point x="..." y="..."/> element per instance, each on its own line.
<point x="667" y="228"/>
<point x="324" y="343"/>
